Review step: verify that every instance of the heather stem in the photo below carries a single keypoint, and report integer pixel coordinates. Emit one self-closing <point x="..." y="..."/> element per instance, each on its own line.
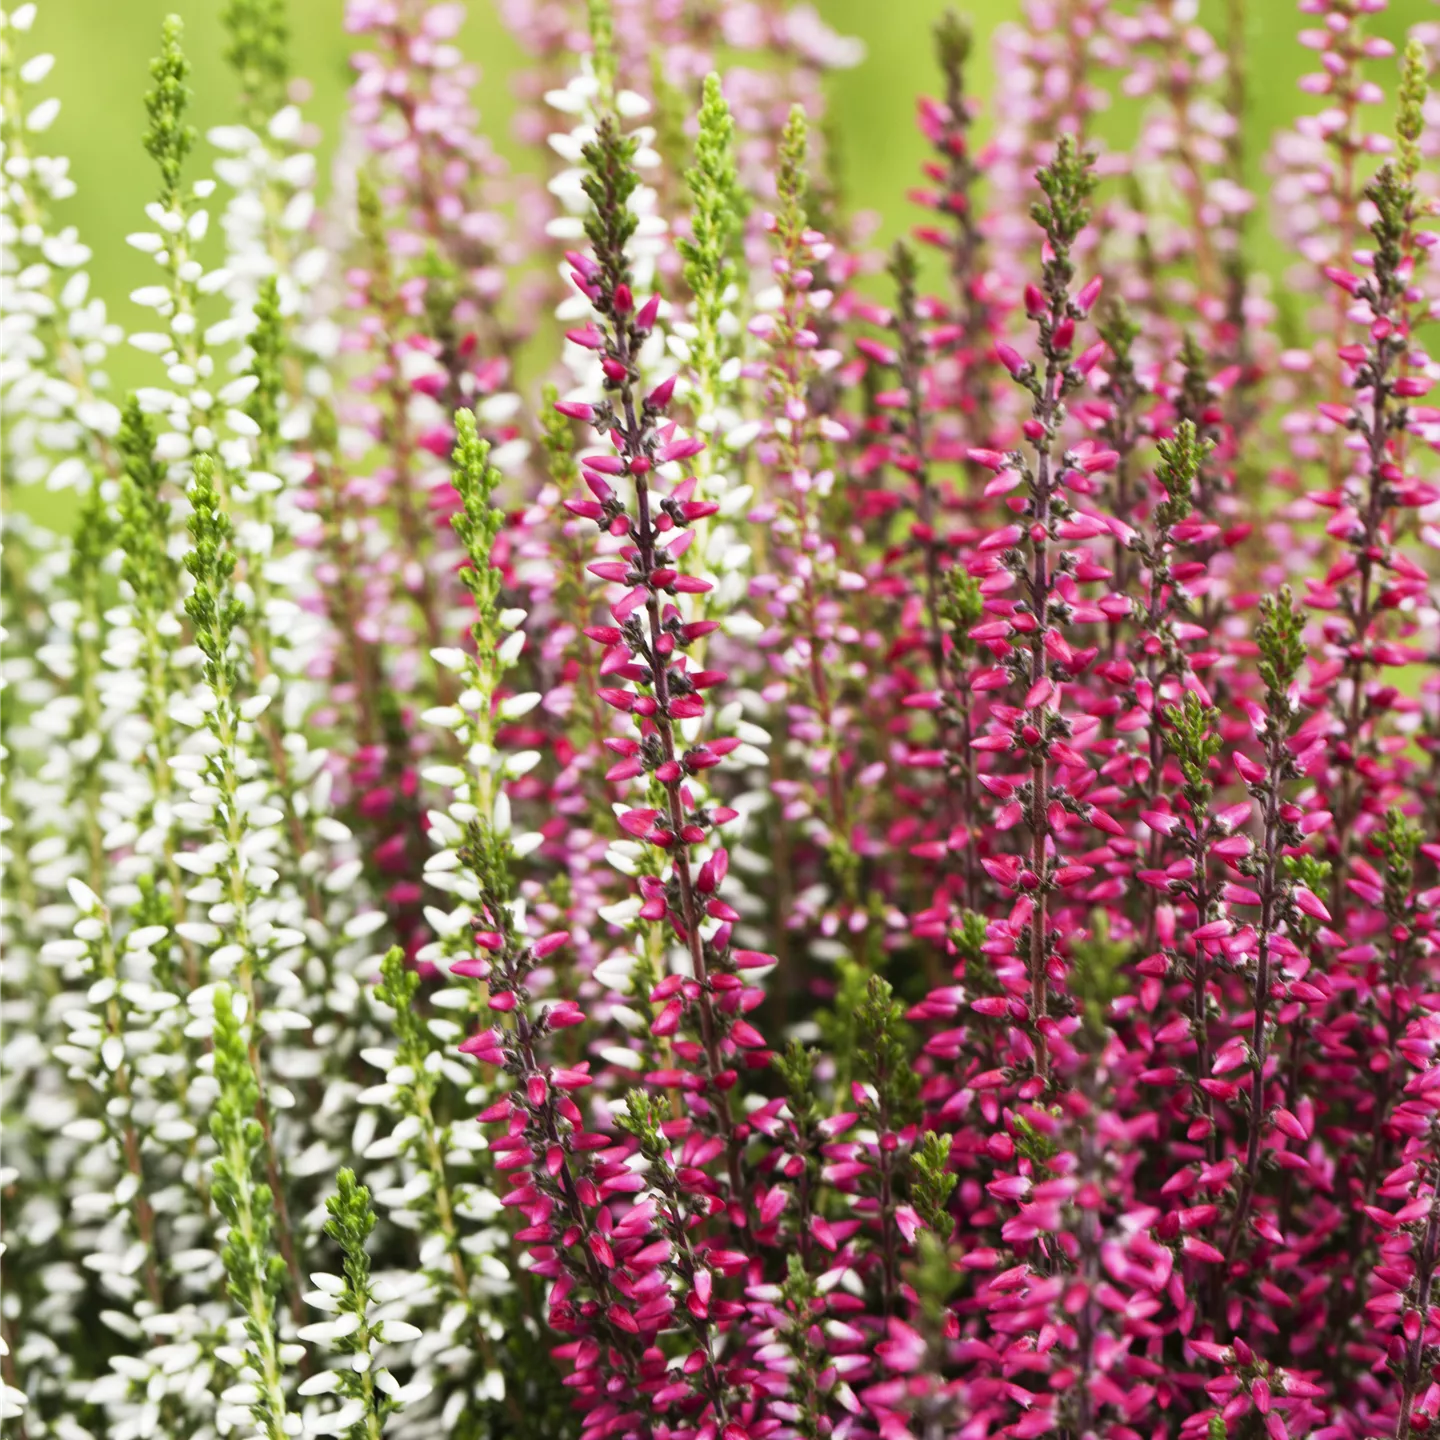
<point x="1067" y="184"/>
<point x="611" y="183"/>
<point x="911" y="367"/>
<point x="1385" y="421"/>
<point x="1282" y="652"/>
<point x="1269" y="897"/>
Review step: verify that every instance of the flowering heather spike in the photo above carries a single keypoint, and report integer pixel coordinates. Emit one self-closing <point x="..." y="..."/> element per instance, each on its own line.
<point x="60" y="431"/>
<point x="957" y="171"/>
<point x="668" y="694"/>
<point x="716" y="224"/>
<point x="475" y="837"/>
<point x="1190" y="734"/>
<point x="693" y="1280"/>
<point x="911" y="370"/>
<point x="962" y="608"/>
<point x="602" y="49"/>
<point x="797" y="447"/>
<point x="242" y="822"/>
<point x="254" y="1270"/>
<point x="170" y="137"/>
<point x="1282" y="652"/>
<point x="1063" y="213"/>
<point x="1121" y="425"/>
<point x="112" y="1073"/>
<point x="453" y="1259"/>
<point x="369" y="1393"/>
<point x="792" y="181"/>
<point x="412" y="106"/>
<point x="887" y="1095"/>
<point x="953" y="45"/>
<point x="883" y="885"/>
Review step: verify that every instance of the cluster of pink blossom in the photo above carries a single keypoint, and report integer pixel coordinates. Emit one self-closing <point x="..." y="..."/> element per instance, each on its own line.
<point x="920" y="774"/>
<point x="1084" y="869"/>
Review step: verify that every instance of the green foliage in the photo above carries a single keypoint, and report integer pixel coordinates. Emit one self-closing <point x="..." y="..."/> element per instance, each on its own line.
<point x="968" y="938"/>
<point x="1308" y="870"/>
<point x="143" y="519"/>
<point x="902" y="270"/>
<point x="443" y="297"/>
<point x="215" y="611"/>
<point x="1314" y="874"/>
<point x="487" y="855"/>
<point x="557" y="439"/>
<point x="1399" y="844"/>
<point x="233" y="1125"/>
<point x="961" y="607"/>
<point x="1097" y="975"/>
<point x="717" y="197"/>
<point x="156" y="907"/>
<point x="477" y="524"/>
<point x="934" y="1281"/>
<point x="254" y="1271"/>
<point x="1192" y="737"/>
<point x="1033" y="1144"/>
<point x="1282" y="648"/>
<point x="933" y="1183"/>
<point x="717" y="217"/>
<point x="397" y="987"/>
<point x="954" y="40"/>
<point x="267" y="344"/>
<point x="884" y="1045"/>
<point x="1410" y="116"/>
<point x="796" y="1068"/>
<point x="602" y="49"/>
<point x="1178" y="470"/>
<point x="839" y="1024"/>
<point x="349" y="1226"/>
<point x="1068" y="182"/>
<point x="792" y="179"/>
<point x="670" y="116"/>
<point x="92" y="539"/>
<point x="370" y="221"/>
<point x="169" y="137"/>
<point x="1194" y="395"/>
<point x="800" y="1305"/>
<point x="641" y="1118"/>
<point x="1394" y="199"/>
<point x="612" y="179"/>
<point x="1119" y="329"/>
<point x="258" y="50"/>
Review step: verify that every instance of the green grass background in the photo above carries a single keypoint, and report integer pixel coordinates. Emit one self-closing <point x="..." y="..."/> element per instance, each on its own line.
<point x="103" y="49"/>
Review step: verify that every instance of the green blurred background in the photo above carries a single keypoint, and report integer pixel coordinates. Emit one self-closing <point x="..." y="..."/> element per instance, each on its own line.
<point x="103" y="47"/>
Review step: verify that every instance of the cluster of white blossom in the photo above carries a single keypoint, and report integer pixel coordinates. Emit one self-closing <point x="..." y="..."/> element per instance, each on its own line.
<point x="191" y="933"/>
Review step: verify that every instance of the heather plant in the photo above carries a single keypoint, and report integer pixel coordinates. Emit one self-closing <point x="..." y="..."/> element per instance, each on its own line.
<point x="624" y="818"/>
